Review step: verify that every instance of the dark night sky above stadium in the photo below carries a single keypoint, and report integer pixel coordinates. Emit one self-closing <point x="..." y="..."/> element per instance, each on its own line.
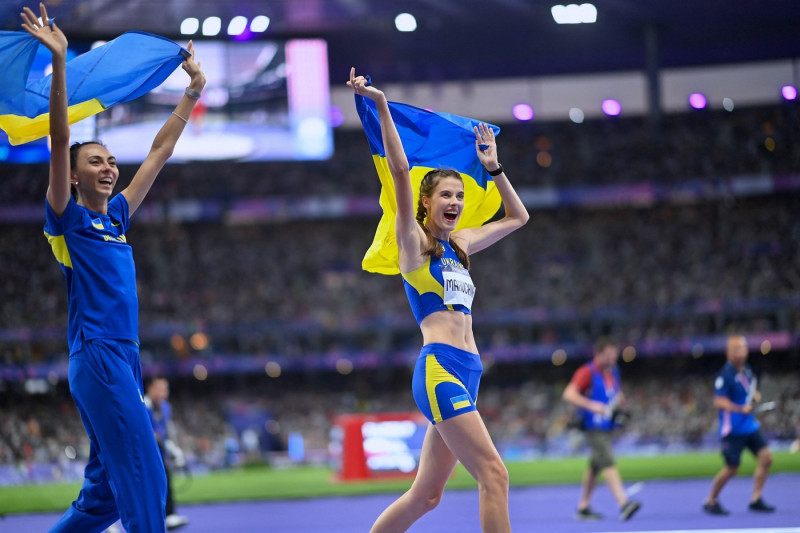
<point x="470" y="39"/>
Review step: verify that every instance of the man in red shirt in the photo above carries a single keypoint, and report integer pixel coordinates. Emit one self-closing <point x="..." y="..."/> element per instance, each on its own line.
<point x="595" y="391"/>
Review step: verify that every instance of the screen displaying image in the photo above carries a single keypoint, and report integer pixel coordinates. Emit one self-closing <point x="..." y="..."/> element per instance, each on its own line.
<point x="263" y="101"/>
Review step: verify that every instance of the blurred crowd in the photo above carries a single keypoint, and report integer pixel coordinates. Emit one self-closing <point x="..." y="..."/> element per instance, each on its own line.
<point x="706" y="144"/>
<point x="297" y="288"/>
<point x="668" y="271"/>
<point x="671" y="413"/>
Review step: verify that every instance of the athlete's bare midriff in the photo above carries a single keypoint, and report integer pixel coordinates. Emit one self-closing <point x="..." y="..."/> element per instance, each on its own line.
<point x="449" y="327"/>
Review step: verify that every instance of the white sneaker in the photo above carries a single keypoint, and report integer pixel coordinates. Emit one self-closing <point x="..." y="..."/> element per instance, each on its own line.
<point x="174" y="521"/>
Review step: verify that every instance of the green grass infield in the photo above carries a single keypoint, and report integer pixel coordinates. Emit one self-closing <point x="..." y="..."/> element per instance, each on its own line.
<point x="262" y="482"/>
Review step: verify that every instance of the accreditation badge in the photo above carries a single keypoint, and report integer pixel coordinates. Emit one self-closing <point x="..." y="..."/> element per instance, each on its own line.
<point x="458" y="286"/>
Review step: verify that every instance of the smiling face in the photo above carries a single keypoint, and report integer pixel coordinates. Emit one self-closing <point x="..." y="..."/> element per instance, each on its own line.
<point x="93" y="173"/>
<point x="445" y="203"/>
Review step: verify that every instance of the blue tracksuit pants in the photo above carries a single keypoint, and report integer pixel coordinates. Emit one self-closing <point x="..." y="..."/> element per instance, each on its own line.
<point x="124" y="478"/>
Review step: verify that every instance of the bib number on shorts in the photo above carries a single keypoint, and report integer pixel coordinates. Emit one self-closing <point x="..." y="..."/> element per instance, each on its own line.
<point x="458" y="286"/>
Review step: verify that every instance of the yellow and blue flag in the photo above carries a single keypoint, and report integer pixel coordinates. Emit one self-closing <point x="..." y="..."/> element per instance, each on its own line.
<point x="119" y="71"/>
<point x="431" y="140"/>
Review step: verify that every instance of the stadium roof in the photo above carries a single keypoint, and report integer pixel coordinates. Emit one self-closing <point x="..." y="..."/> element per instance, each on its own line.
<point x="470" y="39"/>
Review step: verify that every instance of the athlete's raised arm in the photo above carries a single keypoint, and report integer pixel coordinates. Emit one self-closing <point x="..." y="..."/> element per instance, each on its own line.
<point x="476" y="239"/>
<point x="47" y="33"/>
<point x="167" y="137"/>
<point x="409" y="235"/>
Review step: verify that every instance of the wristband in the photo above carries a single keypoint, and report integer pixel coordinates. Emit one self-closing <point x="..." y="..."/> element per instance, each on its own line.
<point x="191" y="93"/>
<point x="499" y="170"/>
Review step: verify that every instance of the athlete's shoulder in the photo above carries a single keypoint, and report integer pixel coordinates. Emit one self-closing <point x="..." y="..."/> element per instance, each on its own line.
<point x="582" y="375"/>
<point x="723" y="378"/>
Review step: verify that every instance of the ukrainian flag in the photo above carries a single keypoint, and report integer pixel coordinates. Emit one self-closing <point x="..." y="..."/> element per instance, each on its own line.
<point x="119" y="71"/>
<point x="431" y="140"/>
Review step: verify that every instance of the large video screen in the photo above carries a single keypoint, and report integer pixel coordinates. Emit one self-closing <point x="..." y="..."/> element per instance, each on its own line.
<point x="263" y="100"/>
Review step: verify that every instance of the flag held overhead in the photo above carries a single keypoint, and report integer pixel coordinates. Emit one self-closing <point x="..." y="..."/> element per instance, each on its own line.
<point x="430" y="140"/>
<point x="119" y="71"/>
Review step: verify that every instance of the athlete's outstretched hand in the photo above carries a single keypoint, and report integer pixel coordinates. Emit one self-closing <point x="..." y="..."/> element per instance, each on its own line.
<point x="359" y="85"/>
<point x="484" y="136"/>
<point x="198" y="79"/>
<point x="46" y="31"/>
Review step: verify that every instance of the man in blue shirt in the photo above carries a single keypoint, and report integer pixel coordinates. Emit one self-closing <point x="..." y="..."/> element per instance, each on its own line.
<point x="595" y="390"/>
<point x="735" y="391"/>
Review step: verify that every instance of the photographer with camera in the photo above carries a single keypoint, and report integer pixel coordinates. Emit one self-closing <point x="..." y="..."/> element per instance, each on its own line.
<point x="595" y="390"/>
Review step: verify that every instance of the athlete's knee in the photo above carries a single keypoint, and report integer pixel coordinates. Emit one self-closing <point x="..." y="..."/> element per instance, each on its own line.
<point x="494" y="477"/>
<point x="765" y="458"/>
<point x="426" y="500"/>
<point x="730" y="470"/>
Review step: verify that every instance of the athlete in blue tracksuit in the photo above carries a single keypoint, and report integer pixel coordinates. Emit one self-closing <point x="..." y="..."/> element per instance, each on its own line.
<point x="434" y="262"/>
<point x="735" y="392"/>
<point x="124" y="477"/>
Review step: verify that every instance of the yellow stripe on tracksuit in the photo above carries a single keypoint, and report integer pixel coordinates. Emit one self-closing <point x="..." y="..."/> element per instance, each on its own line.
<point x="59" y="245"/>
<point x="434" y="375"/>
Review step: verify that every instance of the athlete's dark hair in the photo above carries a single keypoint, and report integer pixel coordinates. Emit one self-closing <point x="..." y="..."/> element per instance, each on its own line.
<point x="74" y="150"/>
<point x="426" y="188"/>
<point x="604" y="342"/>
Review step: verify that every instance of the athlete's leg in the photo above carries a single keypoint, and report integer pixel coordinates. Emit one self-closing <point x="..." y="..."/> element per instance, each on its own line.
<point x="109" y="392"/>
<point x="587" y="488"/>
<point x="764" y="458"/>
<point x="719" y="482"/>
<point x="732" y="446"/>
<point x="614" y="482"/>
<point x="436" y="464"/>
<point x="94" y="509"/>
<point x="469" y="440"/>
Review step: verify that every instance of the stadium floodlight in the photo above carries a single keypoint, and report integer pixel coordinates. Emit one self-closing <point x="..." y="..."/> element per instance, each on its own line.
<point x="697" y="100"/>
<point x="522" y="112"/>
<point x="611" y="107"/>
<point x="576" y="115"/>
<point x="574" y="14"/>
<point x="259" y="24"/>
<point x="212" y="26"/>
<point x="189" y="26"/>
<point x="727" y="104"/>
<point x="789" y="92"/>
<point x="405" y="22"/>
<point x="237" y="25"/>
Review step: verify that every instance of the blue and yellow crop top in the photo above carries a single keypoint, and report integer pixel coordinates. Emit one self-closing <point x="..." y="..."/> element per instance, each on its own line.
<point x="440" y="284"/>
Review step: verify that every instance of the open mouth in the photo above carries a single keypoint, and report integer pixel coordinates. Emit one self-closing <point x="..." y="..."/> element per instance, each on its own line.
<point x="106" y="181"/>
<point x="451" y="215"/>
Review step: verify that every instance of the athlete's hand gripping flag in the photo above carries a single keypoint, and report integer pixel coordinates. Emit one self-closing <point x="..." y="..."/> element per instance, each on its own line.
<point x="119" y="71"/>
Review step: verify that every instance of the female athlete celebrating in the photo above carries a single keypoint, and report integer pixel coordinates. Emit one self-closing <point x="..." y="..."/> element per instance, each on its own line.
<point x="124" y="477"/>
<point x="434" y="259"/>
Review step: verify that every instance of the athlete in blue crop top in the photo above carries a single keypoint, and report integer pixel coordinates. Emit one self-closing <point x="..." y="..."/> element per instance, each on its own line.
<point x="434" y="262"/>
<point x="124" y="476"/>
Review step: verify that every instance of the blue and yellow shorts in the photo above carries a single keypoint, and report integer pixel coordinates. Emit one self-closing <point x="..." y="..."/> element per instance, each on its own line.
<point x="446" y="381"/>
